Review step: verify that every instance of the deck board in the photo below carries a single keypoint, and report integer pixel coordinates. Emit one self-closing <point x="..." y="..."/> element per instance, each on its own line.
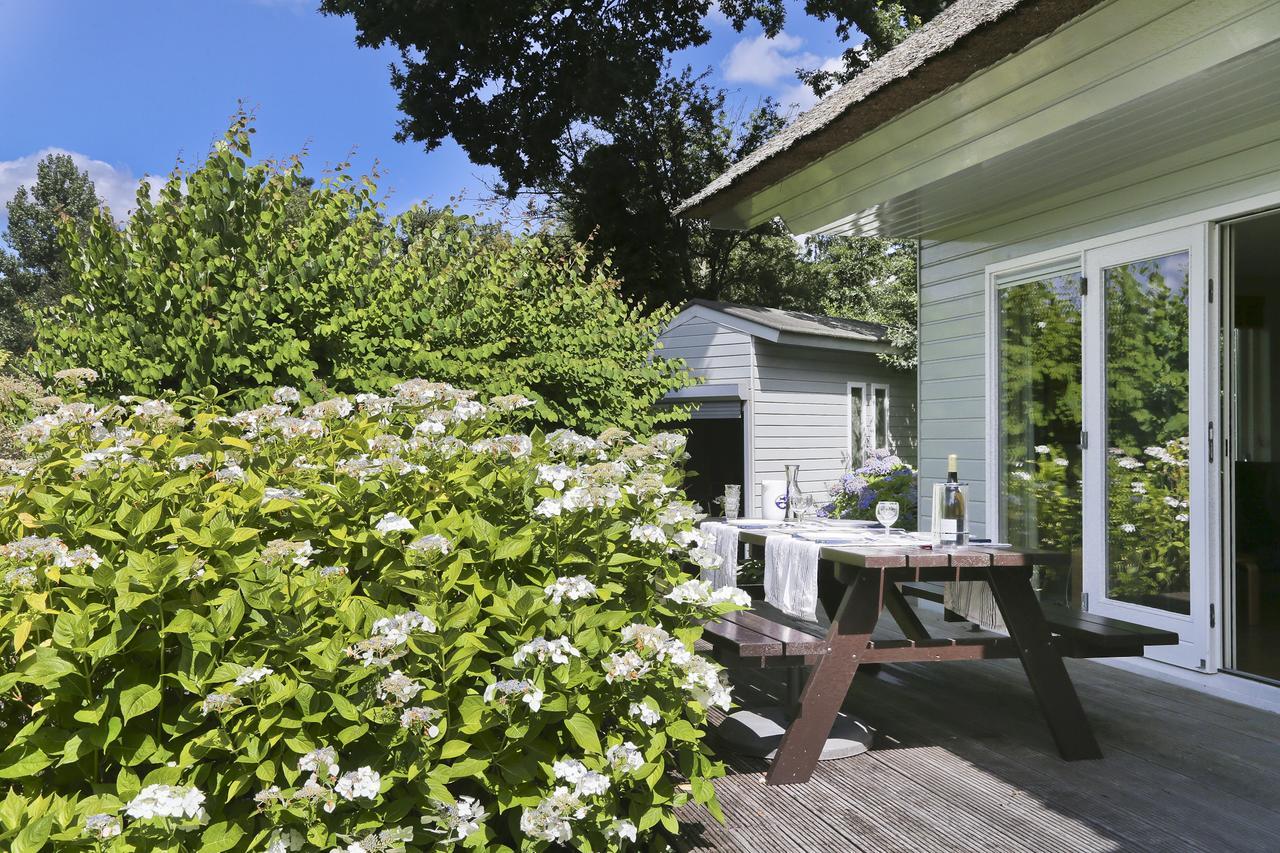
<point x="963" y="761"/>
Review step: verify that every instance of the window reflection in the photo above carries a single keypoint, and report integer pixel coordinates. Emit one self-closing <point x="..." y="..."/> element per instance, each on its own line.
<point x="1040" y="400"/>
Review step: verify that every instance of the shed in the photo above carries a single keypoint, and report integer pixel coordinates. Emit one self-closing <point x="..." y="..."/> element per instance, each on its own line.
<point x="782" y="387"/>
<point x="1094" y="186"/>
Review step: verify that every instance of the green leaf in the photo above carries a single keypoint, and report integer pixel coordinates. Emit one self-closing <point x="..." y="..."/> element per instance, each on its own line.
<point x="138" y="700"/>
<point x="34" y="835"/>
<point x="453" y="748"/>
<point x="584" y="732"/>
<point x="18" y="763"/>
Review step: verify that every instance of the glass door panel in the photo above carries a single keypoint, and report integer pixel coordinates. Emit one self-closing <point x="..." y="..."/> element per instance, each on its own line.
<point x="1148" y="400"/>
<point x="1147" y="464"/>
<point x="1040" y="463"/>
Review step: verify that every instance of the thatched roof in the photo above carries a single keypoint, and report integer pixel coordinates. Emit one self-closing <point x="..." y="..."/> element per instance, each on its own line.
<point x="966" y="38"/>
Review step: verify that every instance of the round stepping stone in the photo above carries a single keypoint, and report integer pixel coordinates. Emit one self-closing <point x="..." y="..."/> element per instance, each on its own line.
<point x="758" y="732"/>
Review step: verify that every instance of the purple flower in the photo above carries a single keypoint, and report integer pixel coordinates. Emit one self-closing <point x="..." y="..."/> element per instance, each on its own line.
<point x="866" y="499"/>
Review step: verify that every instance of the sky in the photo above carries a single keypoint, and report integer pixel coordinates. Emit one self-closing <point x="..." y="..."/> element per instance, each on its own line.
<point x="130" y="87"/>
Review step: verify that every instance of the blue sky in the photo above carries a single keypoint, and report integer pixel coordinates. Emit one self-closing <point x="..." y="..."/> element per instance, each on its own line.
<point x="130" y="86"/>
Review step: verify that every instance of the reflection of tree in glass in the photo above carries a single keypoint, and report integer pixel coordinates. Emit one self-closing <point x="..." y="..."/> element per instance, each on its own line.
<point x="1040" y="406"/>
<point x="1148" y="492"/>
<point x="1147" y="352"/>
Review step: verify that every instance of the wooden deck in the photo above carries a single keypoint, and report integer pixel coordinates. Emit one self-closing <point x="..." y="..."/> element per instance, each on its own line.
<point x="963" y="761"/>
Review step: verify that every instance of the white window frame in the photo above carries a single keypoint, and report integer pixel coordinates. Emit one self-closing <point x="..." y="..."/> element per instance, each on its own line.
<point x="868" y="420"/>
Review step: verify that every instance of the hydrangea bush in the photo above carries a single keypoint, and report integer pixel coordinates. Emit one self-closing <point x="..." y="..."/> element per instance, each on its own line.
<point x="380" y="623"/>
<point x="1149" y="520"/>
<point x="882" y="476"/>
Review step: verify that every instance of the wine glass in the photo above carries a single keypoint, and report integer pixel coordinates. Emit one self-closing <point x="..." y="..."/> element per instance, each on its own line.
<point x="887" y="514"/>
<point x="805" y="507"/>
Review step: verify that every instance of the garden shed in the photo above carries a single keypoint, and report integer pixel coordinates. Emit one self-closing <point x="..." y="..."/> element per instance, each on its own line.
<point x="785" y="387"/>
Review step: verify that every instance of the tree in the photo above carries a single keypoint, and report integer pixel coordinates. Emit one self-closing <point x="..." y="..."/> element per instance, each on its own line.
<point x="240" y="279"/>
<point x="872" y="279"/>
<point x="510" y="81"/>
<point x="619" y="183"/>
<point x="883" y="23"/>
<point x="35" y="274"/>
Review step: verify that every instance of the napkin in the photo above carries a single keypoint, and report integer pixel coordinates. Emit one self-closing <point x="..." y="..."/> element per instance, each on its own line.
<point x="791" y="575"/>
<point x="724" y="542"/>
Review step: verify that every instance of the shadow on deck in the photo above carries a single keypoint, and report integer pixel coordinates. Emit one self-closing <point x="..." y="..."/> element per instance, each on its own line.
<point x="963" y="761"/>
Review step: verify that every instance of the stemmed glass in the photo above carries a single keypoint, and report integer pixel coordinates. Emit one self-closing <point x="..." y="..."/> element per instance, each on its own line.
<point x="805" y="507"/>
<point x="887" y="514"/>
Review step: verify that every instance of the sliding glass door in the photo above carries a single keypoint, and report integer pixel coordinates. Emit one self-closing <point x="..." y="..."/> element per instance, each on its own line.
<point x="1147" y="435"/>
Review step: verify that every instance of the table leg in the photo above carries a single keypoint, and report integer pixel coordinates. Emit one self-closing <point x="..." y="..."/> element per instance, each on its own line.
<point x="828" y="684"/>
<point x="1040" y="658"/>
<point x="900" y="609"/>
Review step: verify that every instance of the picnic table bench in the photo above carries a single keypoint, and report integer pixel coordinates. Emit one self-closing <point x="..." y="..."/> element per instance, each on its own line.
<point x="856" y="585"/>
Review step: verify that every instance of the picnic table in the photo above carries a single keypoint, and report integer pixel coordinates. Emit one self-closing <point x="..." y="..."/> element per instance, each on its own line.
<point x="857" y="583"/>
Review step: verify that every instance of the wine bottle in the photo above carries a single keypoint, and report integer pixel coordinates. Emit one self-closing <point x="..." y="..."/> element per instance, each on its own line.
<point x="954" y="522"/>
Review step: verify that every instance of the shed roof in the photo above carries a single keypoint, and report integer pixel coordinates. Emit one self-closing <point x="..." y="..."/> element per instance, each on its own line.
<point x="801" y="322"/>
<point x="966" y="38"/>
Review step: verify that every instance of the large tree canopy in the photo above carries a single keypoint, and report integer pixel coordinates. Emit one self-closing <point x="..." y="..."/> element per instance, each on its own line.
<point x="509" y="80"/>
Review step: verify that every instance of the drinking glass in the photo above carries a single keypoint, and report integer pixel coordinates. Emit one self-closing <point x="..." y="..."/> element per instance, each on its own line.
<point x="732" y="500"/>
<point x="887" y="514"/>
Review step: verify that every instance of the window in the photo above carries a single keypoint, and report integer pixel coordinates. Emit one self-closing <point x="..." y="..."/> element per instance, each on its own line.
<point x="1039" y="398"/>
<point x="868" y="420"/>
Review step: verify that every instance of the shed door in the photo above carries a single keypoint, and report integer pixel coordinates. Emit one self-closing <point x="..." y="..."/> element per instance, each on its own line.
<point x="1147" y="462"/>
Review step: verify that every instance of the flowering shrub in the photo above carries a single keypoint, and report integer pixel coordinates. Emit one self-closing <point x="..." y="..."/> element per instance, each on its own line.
<point x="1148" y="530"/>
<point x="881" y="477"/>
<point x="381" y="623"/>
<point x="241" y="276"/>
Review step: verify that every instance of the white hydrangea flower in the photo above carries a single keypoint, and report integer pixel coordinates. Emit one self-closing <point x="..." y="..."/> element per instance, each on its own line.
<point x="586" y="783"/>
<point x="291" y="428"/>
<point x="167" y="801"/>
<point x="321" y="762"/>
<point x="338" y="407"/>
<point x="623" y="829"/>
<point x="428" y="547"/>
<point x="550" y="820"/>
<point x="624" y="758"/>
<point x="286" y="841"/>
<point x="730" y="595"/>
<point x="558" y="651"/>
<point x="392" y="523"/>
<point x="692" y="591"/>
<point x="510" y="402"/>
<point x="23" y="577"/>
<point x="549" y="508"/>
<point x="646" y="638"/>
<point x="646" y="715"/>
<point x="281" y="552"/>
<point x="397" y="688"/>
<point x="229" y="473"/>
<point x="675" y="514"/>
<point x="1042" y="449"/>
<point x="190" y="460"/>
<point x="573" y="588"/>
<point x="527" y="690"/>
<point x="216" y="703"/>
<point x="1129" y="463"/>
<point x="648" y="533"/>
<point x="421" y="720"/>
<point x="691" y="539"/>
<point x="457" y="820"/>
<point x="557" y="476"/>
<point x="270" y="494"/>
<point x="77" y="377"/>
<point x="704" y="558"/>
<point x="627" y="666"/>
<point x="1128" y="528"/>
<point x="707" y="683"/>
<point x="285" y="395"/>
<point x="102" y="826"/>
<point x="398" y="628"/>
<point x="361" y="782"/>
<point x="249" y="676"/>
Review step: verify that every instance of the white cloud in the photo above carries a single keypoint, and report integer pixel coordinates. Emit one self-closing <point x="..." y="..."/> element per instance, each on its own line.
<point x="764" y="61"/>
<point x="800" y="95"/>
<point x="115" y="185"/>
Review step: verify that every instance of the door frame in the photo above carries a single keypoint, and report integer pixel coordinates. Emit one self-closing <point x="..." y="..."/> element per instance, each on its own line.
<point x="1194" y="629"/>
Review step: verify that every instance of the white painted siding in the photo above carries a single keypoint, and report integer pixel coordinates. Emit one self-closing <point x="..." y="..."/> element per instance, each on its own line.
<point x="801" y="411"/>
<point x="952" y="337"/>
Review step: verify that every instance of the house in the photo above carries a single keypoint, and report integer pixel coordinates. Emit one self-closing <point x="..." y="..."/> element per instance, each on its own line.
<point x="785" y="387"/>
<point x="1095" y="190"/>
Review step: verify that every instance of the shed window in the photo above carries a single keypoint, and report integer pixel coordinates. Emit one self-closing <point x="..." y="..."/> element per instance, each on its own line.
<point x="868" y="420"/>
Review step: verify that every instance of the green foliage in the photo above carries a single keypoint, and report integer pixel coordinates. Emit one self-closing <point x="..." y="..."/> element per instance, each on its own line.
<point x="877" y="26"/>
<point x="510" y="81"/>
<point x="35" y="273"/>
<point x="489" y="630"/>
<point x="20" y="398"/>
<point x="243" y="277"/>
<point x="871" y="279"/>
